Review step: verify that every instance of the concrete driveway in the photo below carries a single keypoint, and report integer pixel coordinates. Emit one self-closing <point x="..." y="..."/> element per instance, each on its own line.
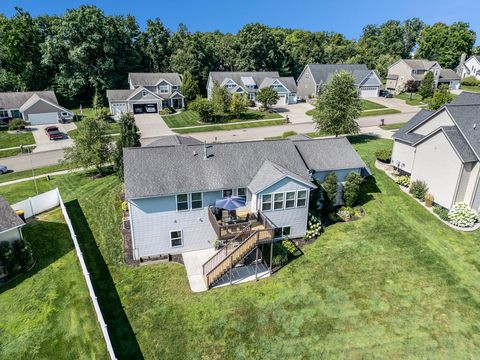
<point x="295" y="112"/>
<point x="152" y="125"/>
<point x="43" y="143"/>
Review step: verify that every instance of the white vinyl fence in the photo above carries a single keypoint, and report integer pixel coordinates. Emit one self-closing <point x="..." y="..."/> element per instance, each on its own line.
<point x="49" y="200"/>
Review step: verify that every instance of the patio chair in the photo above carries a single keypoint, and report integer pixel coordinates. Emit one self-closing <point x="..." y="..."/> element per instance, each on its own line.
<point x="225" y="216"/>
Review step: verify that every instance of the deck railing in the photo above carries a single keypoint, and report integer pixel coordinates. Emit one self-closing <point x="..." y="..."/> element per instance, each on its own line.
<point x="225" y="231"/>
<point x="265" y="221"/>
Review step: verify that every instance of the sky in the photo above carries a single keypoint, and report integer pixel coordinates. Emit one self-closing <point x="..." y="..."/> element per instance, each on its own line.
<point x="345" y="16"/>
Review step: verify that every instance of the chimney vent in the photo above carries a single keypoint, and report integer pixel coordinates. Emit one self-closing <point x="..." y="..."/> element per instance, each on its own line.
<point x="194" y="153"/>
<point x="474" y="126"/>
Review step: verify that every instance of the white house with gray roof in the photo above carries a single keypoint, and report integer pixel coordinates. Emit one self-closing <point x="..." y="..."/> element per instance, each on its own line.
<point x="172" y="189"/>
<point x="35" y="107"/>
<point x="148" y="93"/>
<point x="442" y="148"/>
<point x="314" y="76"/>
<point x="249" y="82"/>
<point x="470" y="67"/>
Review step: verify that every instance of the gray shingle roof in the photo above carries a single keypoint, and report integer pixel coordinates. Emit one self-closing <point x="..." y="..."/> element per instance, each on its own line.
<point x="14" y="100"/>
<point x="467" y="98"/>
<point x="459" y="143"/>
<point x="467" y="119"/>
<point x="172" y="140"/>
<point x="164" y="170"/>
<point x="288" y="82"/>
<point x="119" y="95"/>
<point x="448" y="74"/>
<point x="419" y="64"/>
<point x="151" y="79"/>
<point x="322" y="73"/>
<point x="403" y="133"/>
<point x="8" y="218"/>
<point x="257" y="76"/>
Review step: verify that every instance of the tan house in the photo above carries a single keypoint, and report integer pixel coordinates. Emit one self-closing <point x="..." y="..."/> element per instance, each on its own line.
<point x="442" y="148"/>
<point x="415" y="69"/>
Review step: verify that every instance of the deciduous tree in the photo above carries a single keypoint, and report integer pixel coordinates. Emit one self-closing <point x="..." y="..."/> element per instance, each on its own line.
<point x="129" y="137"/>
<point x="239" y="104"/>
<point x="267" y="97"/>
<point x="440" y="97"/>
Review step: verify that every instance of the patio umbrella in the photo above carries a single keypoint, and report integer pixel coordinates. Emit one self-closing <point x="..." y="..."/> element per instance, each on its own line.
<point x="230" y="203"/>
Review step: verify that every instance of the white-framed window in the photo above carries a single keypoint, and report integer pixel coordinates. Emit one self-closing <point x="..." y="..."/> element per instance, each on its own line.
<point x="289" y="199"/>
<point x="301" y="198"/>
<point x="227" y="192"/>
<point x="266" y="202"/>
<point x="176" y="239"/>
<point x="277" y="201"/>
<point x="3" y="113"/>
<point x="182" y="202"/>
<point x="281" y="232"/>
<point x="242" y="192"/>
<point x="163" y="89"/>
<point x="197" y="200"/>
<point x="251" y="96"/>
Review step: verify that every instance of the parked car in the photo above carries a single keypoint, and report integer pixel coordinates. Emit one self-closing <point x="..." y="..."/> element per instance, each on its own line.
<point x="53" y="133"/>
<point x="386" y="94"/>
<point x="3" y="169"/>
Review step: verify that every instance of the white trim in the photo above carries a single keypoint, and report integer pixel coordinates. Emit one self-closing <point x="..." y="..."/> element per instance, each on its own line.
<point x="142" y="88"/>
<point x="181" y="238"/>
<point x="294" y="199"/>
<point x="311" y="186"/>
<point x="283" y="201"/>
<point x="191" y="200"/>
<point x="188" y="202"/>
<point x="13" y="228"/>
<point x="159" y="81"/>
<point x="176" y="93"/>
<point x="48" y="102"/>
<point x="282" y="227"/>
<point x="271" y="202"/>
<point x="306" y="199"/>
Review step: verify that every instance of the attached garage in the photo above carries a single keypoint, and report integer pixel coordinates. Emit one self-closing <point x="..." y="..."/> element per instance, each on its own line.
<point x="282" y="99"/>
<point x="145" y="108"/>
<point x="119" y="108"/>
<point x="42" y="119"/>
<point x="369" y="91"/>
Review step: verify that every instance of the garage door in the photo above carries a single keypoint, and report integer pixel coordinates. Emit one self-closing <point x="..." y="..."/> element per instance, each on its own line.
<point x="366" y="92"/>
<point x="45" y="118"/>
<point x="282" y="99"/>
<point x="145" y="108"/>
<point x="119" y="108"/>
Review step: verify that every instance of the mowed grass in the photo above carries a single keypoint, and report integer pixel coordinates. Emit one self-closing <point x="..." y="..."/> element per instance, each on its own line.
<point x="411" y="99"/>
<point x="220" y="127"/>
<point x="8" y="140"/>
<point x="379" y="112"/>
<point x="470" y="88"/>
<point x="47" y="312"/>
<point x="369" y="108"/>
<point x="392" y="126"/>
<point x="28" y="173"/>
<point x="396" y="284"/>
<point x="371" y="105"/>
<point x="112" y="128"/>
<point x="191" y="118"/>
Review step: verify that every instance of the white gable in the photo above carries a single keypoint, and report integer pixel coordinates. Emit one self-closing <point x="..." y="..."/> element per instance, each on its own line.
<point x="440" y="119"/>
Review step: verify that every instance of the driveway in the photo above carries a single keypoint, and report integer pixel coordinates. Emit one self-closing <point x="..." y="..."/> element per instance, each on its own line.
<point x="152" y="125"/>
<point x="43" y="143"/>
<point x="295" y="112"/>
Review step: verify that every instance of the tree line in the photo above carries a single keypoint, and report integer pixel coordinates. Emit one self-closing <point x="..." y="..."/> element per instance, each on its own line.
<point x="84" y="52"/>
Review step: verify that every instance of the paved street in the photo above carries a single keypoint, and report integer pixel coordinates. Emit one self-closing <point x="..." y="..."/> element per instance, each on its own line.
<point x="41" y="159"/>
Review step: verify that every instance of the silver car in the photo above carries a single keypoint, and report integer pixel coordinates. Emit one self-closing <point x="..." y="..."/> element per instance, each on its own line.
<point x="3" y="169"/>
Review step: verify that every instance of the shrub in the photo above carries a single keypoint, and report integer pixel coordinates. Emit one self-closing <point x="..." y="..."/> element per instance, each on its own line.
<point x="330" y="185"/>
<point x="462" y="215"/>
<point x="22" y="253"/>
<point x="125" y="205"/>
<point x="289" y="246"/>
<point x="352" y="188"/>
<point x="279" y="260"/>
<point x="418" y="189"/>
<point x="346" y="213"/>
<point x="429" y="200"/>
<point x="384" y="155"/>
<point x="403" y="181"/>
<point x="203" y="107"/>
<point x="217" y="244"/>
<point x="314" y="228"/>
<point x="7" y="257"/>
<point x="167" y="111"/>
<point x="16" y="124"/>
<point x="441" y="212"/>
<point x="470" y="81"/>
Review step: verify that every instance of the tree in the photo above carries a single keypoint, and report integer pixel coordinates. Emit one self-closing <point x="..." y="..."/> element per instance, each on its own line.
<point x="352" y="189"/>
<point x="440" y="97"/>
<point x="91" y="146"/>
<point x="129" y="137"/>
<point x="411" y="86"/>
<point x="330" y="187"/>
<point x="426" y="87"/>
<point x="189" y="87"/>
<point x="203" y="107"/>
<point x="239" y="104"/>
<point x="267" y="97"/>
<point x="220" y="99"/>
<point x="154" y="44"/>
<point x="337" y="108"/>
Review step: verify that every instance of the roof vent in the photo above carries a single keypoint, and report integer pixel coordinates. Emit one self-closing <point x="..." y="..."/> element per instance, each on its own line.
<point x="194" y="153"/>
<point x="474" y="126"/>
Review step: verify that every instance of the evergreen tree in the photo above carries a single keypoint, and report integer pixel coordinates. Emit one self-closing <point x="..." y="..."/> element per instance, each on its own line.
<point x="352" y="189"/>
<point x="330" y="187"/>
<point x="129" y="137"/>
<point x="189" y="87"/>
<point x="426" y="87"/>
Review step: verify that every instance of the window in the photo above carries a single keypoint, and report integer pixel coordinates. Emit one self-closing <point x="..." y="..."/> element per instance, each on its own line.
<point x="278" y="201"/>
<point x="289" y="199"/>
<point x="301" y="198"/>
<point x="251" y="96"/>
<point x="266" y="202"/>
<point x="197" y="202"/>
<point x="163" y="89"/>
<point x="242" y="192"/>
<point x="144" y="93"/>
<point x="227" y="192"/>
<point x="281" y="232"/>
<point x="174" y="88"/>
<point x="3" y="113"/>
<point x="182" y="202"/>
<point x="176" y="238"/>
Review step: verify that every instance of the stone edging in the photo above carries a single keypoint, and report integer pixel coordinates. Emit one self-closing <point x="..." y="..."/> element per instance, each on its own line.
<point x="384" y="167"/>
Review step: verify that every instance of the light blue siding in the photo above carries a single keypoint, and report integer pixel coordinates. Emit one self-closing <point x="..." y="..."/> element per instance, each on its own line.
<point x="286" y="184"/>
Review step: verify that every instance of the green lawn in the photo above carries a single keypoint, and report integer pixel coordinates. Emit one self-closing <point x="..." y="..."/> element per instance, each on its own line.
<point x="392" y="126"/>
<point x="248" y="124"/>
<point x="379" y="112"/>
<point x="8" y="140"/>
<point x="411" y="99"/>
<point x="47" y="312"/>
<point x="191" y="118"/>
<point x="28" y="173"/>
<point x="370" y="105"/>
<point x="470" y="88"/>
<point x="8" y="153"/>
<point x="87" y="111"/>
<point x="112" y="128"/>
<point x="396" y="284"/>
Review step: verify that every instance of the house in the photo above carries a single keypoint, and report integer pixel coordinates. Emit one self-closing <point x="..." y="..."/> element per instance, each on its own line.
<point x="35" y="107"/>
<point x="10" y="223"/>
<point x="315" y="75"/>
<point x="470" y="67"/>
<point x="172" y="190"/>
<point x="249" y="82"/>
<point x="442" y="148"/>
<point x="148" y="93"/>
<point x="404" y="70"/>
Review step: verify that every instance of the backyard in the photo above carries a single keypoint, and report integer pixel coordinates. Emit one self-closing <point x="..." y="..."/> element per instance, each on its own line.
<point x="396" y="284"/>
<point x="47" y="311"/>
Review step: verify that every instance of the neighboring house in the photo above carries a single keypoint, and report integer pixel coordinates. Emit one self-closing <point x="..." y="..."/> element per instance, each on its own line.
<point x="470" y="67"/>
<point x="10" y="223"/>
<point x="251" y="81"/>
<point x="171" y="189"/>
<point x="415" y="69"/>
<point x="35" y="107"/>
<point x="148" y="93"/>
<point x="442" y="148"/>
<point x="314" y="76"/>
